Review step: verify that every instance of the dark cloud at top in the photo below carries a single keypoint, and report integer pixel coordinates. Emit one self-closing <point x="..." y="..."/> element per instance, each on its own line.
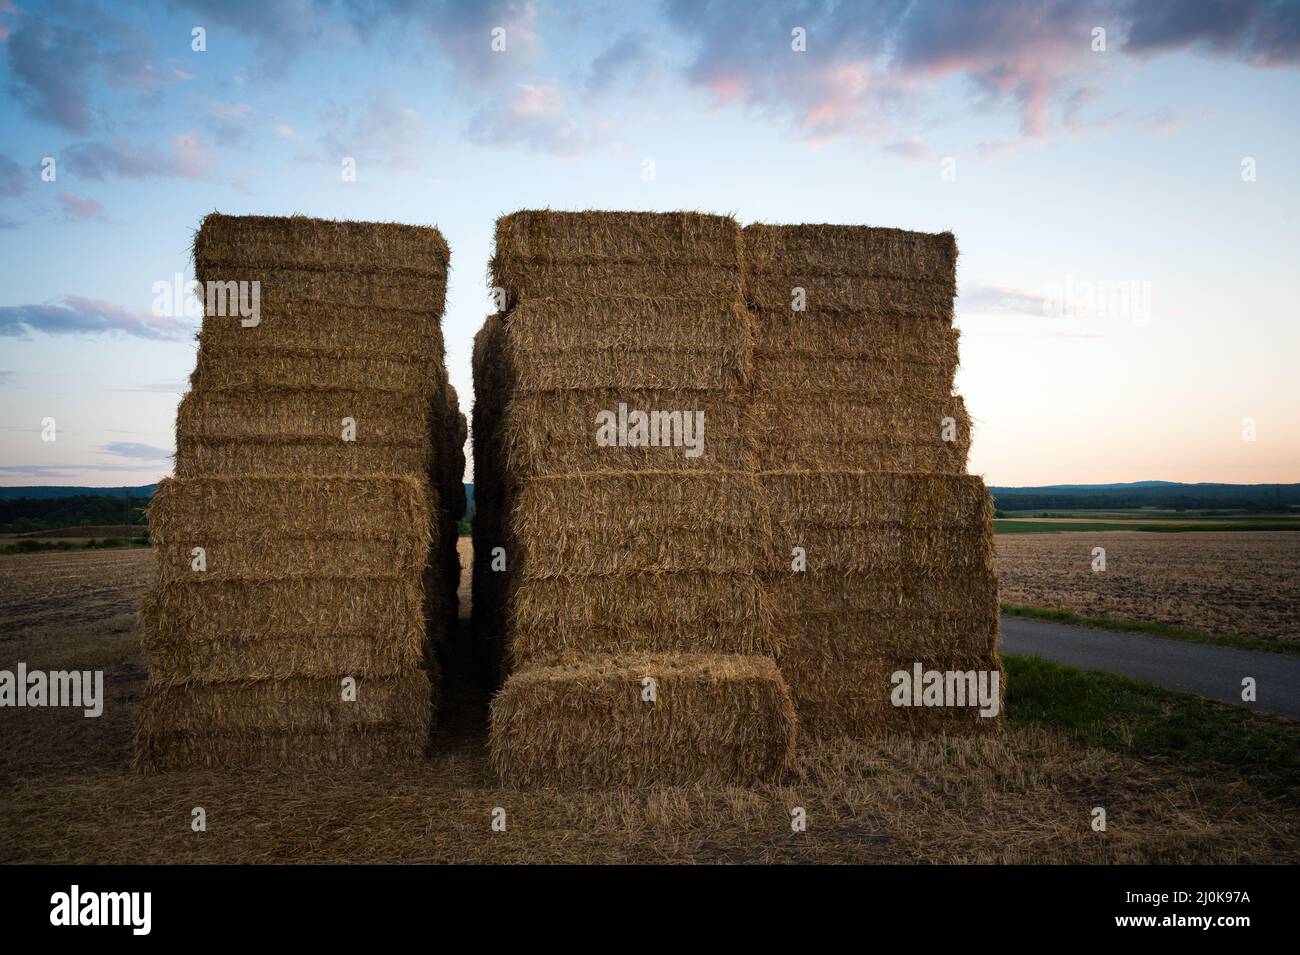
<point x="866" y="65"/>
<point x="57" y="55"/>
<point x="1265" y="32"/>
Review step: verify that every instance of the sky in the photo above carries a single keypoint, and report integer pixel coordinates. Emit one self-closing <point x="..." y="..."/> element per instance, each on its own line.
<point x="1120" y="176"/>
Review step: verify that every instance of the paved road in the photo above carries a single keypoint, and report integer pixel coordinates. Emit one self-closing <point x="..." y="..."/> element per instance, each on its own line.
<point x="1211" y="671"/>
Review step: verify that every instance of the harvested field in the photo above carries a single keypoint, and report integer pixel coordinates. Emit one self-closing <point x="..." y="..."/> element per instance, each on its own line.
<point x="1222" y="582"/>
<point x="1020" y="797"/>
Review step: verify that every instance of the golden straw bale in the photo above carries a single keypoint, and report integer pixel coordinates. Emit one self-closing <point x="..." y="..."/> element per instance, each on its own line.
<point x="644" y="720"/>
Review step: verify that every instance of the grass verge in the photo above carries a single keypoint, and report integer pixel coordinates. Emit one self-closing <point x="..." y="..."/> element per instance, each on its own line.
<point x="1186" y="732"/>
<point x="1152" y="629"/>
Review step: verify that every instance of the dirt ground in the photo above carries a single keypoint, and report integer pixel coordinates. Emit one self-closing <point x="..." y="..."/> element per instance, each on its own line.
<point x="67" y="794"/>
<point x="1240" y="582"/>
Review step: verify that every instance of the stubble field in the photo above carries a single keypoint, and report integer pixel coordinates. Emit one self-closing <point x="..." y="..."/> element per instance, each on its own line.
<point x="1221" y="582"/>
<point x="67" y="793"/>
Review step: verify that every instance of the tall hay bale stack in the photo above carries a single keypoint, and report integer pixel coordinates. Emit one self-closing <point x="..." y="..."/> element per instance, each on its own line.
<point x="314" y="548"/>
<point x="612" y="414"/>
<point x="862" y="448"/>
<point x="587" y="335"/>
<point x="644" y="720"/>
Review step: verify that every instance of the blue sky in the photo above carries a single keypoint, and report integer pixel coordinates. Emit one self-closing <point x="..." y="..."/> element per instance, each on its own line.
<point x="1057" y="165"/>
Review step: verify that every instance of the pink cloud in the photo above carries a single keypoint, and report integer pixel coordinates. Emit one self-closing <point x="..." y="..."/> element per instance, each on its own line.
<point x="79" y="208"/>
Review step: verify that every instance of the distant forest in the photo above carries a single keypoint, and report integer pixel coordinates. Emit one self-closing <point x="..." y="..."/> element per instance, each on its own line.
<point x="1250" y="497"/>
<point x="21" y="515"/>
<point x="52" y="508"/>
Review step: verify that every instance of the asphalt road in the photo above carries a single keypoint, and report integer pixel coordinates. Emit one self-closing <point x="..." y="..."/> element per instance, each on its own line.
<point x="1211" y="671"/>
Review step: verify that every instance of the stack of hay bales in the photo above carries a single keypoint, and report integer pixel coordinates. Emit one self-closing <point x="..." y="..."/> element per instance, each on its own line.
<point x="862" y="451"/>
<point x="301" y="578"/>
<point x="629" y="587"/>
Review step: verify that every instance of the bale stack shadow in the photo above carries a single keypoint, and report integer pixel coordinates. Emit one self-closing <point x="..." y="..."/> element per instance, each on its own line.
<point x="305" y="580"/>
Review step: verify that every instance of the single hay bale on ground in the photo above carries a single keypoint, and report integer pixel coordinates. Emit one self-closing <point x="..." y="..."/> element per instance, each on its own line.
<point x="638" y="613"/>
<point x="640" y="343"/>
<point x="292" y="723"/>
<point x="644" y="720"/>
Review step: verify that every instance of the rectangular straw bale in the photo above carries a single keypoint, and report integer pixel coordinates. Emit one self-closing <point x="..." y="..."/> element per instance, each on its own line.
<point x="542" y="236"/>
<point x="622" y="522"/>
<point x="634" y="613"/>
<point x="299" y="723"/>
<point x="937" y="590"/>
<point x="238" y="457"/>
<point x="223" y="366"/>
<point x="715" y="284"/>
<point x="648" y="343"/>
<point x="715" y="720"/>
<point x="276" y="527"/>
<point x="230" y="629"/>
<point x="851" y="249"/>
<point x="598" y="255"/>
<point x="831" y="296"/>
<point x="828" y="431"/>
<point x="555" y="432"/>
<point x="852" y="697"/>
<point x="327" y="245"/>
<point x="851" y="268"/>
<point x="920" y="341"/>
<point x="862" y="521"/>
<point x="304" y="415"/>
<point x="845" y="631"/>
<point x="292" y="323"/>
<point x="416" y="295"/>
